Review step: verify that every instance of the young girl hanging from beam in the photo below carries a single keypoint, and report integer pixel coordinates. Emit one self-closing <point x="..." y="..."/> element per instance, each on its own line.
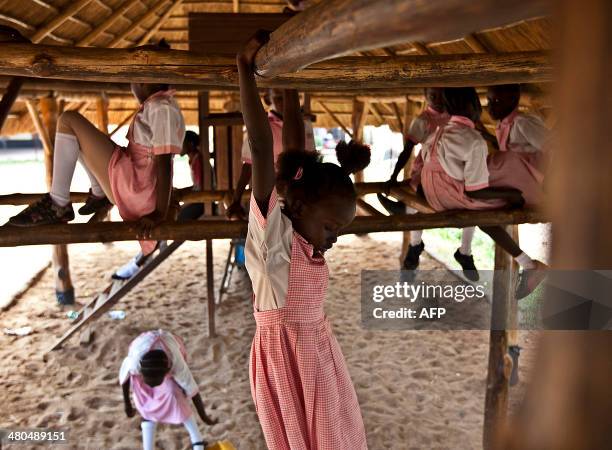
<point x="420" y="129"/>
<point x="454" y="175"/>
<point x="162" y="385"/>
<point x="137" y="179"/>
<point x="300" y="384"/>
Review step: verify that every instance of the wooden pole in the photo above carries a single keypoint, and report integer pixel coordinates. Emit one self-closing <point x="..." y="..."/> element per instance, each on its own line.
<point x="102" y="113"/>
<point x="123" y="123"/>
<point x="224" y="229"/>
<point x="112" y="19"/>
<point x="500" y="364"/>
<point x="334" y="28"/>
<point x="9" y="97"/>
<point x="72" y="9"/>
<point x="207" y="170"/>
<point x="44" y="137"/>
<point x="59" y="253"/>
<point x="210" y="288"/>
<point x="348" y="73"/>
<point x="568" y="403"/>
<point x="358" y="120"/>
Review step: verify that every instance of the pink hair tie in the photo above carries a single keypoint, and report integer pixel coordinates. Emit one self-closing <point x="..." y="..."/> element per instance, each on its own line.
<point x="298" y="174"/>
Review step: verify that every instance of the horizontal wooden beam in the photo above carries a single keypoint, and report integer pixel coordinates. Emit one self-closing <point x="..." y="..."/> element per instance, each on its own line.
<point x="225" y="229"/>
<point x="182" y="67"/>
<point x="187" y="197"/>
<point x="336" y="27"/>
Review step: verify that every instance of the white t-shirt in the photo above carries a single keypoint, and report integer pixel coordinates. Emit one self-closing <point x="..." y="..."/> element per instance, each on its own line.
<point x="160" y="125"/>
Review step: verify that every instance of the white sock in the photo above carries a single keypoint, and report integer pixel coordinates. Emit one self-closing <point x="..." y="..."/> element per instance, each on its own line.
<point x="128" y="270"/>
<point x="65" y="156"/>
<point x="96" y="189"/>
<point x="466" y="240"/>
<point x="148" y="435"/>
<point x="525" y="261"/>
<point x="415" y="235"/>
<point x="194" y="432"/>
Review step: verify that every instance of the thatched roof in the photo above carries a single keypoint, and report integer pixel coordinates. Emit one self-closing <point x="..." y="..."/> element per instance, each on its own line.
<point x="125" y="23"/>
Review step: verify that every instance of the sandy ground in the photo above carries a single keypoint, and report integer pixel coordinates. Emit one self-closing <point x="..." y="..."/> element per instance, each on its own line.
<point x="417" y="389"/>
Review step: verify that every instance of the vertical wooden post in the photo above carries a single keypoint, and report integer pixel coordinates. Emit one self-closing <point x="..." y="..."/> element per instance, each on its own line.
<point x="223" y="163"/>
<point x="102" y="113"/>
<point x="207" y="182"/>
<point x="568" y="403"/>
<point x="498" y="373"/>
<point x="513" y="336"/>
<point x="61" y="263"/>
<point x="358" y="119"/>
<point x="410" y="109"/>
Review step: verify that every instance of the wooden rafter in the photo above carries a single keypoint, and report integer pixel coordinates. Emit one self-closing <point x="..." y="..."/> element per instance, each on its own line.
<point x="110" y="21"/>
<point x="119" y="40"/>
<point x="43" y="31"/>
<point x="149" y="34"/>
<point x="475" y="44"/>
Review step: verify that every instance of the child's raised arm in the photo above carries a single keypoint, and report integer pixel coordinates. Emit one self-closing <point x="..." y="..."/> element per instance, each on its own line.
<point x="293" y="122"/>
<point x="257" y="125"/>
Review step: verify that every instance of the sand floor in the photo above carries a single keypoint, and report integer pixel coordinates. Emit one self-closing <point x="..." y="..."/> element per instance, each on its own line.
<point x="417" y="389"/>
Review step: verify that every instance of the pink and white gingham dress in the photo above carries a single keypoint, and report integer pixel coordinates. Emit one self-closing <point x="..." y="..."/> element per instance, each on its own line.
<point x="300" y="383"/>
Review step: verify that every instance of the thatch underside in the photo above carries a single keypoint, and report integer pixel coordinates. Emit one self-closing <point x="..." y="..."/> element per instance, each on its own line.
<point x="124" y="23"/>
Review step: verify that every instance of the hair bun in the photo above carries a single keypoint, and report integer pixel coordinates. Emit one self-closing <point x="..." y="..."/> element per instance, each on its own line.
<point x="353" y="156"/>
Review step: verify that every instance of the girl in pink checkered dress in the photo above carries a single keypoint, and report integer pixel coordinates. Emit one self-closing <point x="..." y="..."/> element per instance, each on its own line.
<point x="300" y="383"/>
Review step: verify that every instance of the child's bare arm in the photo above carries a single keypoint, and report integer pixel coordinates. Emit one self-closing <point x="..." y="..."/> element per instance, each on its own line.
<point x="293" y="122"/>
<point x="199" y="406"/>
<point x="129" y="411"/>
<point x="257" y="125"/>
<point x="402" y="160"/>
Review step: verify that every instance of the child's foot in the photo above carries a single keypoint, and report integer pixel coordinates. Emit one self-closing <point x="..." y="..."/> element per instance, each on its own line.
<point x="467" y="264"/>
<point x="394" y="208"/>
<point x="411" y="261"/>
<point x="514" y="351"/>
<point x="43" y="212"/>
<point x="65" y="298"/>
<point x="127" y="271"/>
<point x="530" y="279"/>
<point x="94" y="204"/>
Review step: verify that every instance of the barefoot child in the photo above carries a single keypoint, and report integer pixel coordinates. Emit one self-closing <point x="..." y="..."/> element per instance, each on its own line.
<point x="162" y="386"/>
<point x="521" y="139"/>
<point x="137" y="179"/>
<point x="420" y="129"/>
<point x="301" y="387"/>
<point x="275" y="117"/>
<point x="455" y="176"/>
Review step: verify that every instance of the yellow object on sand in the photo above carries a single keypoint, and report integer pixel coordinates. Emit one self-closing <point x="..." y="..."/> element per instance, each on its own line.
<point x="221" y="445"/>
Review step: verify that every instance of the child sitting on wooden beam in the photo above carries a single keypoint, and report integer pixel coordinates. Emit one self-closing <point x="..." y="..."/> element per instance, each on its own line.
<point x="420" y="129"/>
<point x="137" y="179"/>
<point x="454" y="175"/>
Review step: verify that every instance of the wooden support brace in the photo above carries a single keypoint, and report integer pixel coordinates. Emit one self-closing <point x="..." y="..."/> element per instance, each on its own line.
<point x="119" y="40"/>
<point x="124" y="122"/>
<point x="9" y="97"/>
<point x="335" y="118"/>
<point x="149" y="34"/>
<point x="224" y="229"/>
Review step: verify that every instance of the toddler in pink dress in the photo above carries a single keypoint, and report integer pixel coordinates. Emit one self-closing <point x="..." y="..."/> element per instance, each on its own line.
<point x="162" y="386"/>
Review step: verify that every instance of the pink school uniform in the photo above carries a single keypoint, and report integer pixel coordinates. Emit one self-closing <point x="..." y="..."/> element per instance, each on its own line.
<point x="300" y="383"/>
<point x="521" y="139"/>
<point x="420" y="129"/>
<point x="158" y="128"/>
<point x="276" y="125"/>
<point x="455" y="161"/>
<point x="170" y="401"/>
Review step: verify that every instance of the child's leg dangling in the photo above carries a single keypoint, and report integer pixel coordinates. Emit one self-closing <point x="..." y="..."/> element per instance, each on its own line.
<point x="148" y="434"/>
<point x="194" y="433"/>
